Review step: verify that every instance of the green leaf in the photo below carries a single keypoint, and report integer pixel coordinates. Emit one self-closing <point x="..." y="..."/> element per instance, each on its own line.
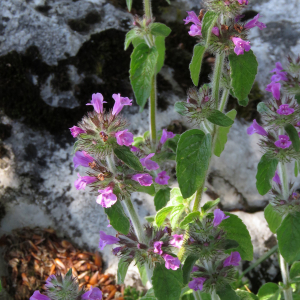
<point x="189" y="219"/>
<point x="294" y="137"/>
<point x="167" y="283"/>
<point x="122" y="270"/>
<point x="297" y="97"/>
<point x="192" y="158"/>
<point x="145" y="189"/>
<point x="124" y="154"/>
<point x="176" y="214"/>
<point x="142" y="69"/>
<point x="273" y="218"/>
<point x="187" y="268"/>
<point x="161" y="49"/>
<point x="180" y="108"/>
<point x="227" y="293"/>
<point x="244" y="102"/>
<point x="230" y="244"/>
<point x="209" y="205"/>
<point x="161" y="198"/>
<point x="138" y="40"/>
<point x="208" y="22"/>
<point x="129" y="4"/>
<point x="195" y="65"/>
<point x="295" y="271"/>
<point x="162" y="214"/>
<point x="218" y="118"/>
<point x="150" y="219"/>
<point x="143" y="273"/>
<point x="130" y="36"/>
<point x="243" y="69"/>
<point x="222" y="132"/>
<point x="269" y="291"/>
<point x="172" y="143"/>
<point x="265" y="172"/>
<point x="244" y="295"/>
<point x="117" y="218"/>
<point x="236" y="230"/>
<point x="262" y="108"/>
<point x="137" y="141"/>
<point x="288" y="235"/>
<point x="159" y="29"/>
<point x="176" y="197"/>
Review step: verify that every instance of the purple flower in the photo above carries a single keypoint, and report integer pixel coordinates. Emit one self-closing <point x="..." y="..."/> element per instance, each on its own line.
<point x="134" y="149"/>
<point x="107" y="197"/>
<point x="283" y="142"/>
<point x="97" y="102"/>
<point x="93" y="294"/>
<point x="166" y="135"/>
<point x="124" y="137"/>
<point x="82" y="158"/>
<point x="82" y="181"/>
<point x="285" y="109"/>
<point x="195" y="269"/>
<point x="162" y="178"/>
<point x="171" y="262"/>
<point x="143" y="179"/>
<point x="254" y="23"/>
<point x="116" y="250"/>
<point x="106" y="239"/>
<point x="192" y="17"/>
<point x="238" y="18"/>
<point x="274" y="88"/>
<point x="255" y="128"/>
<point x="240" y="45"/>
<point x="195" y="30"/>
<point x="243" y="2"/>
<point x="48" y="281"/>
<point x="232" y="260"/>
<point x="219" y="216"/>
<point x="197" y="283"/>
<point x="148" y="163"/>
<point x="75" y="130"/>
<point x="215" y="31"/>
<point x="38" y="296"/>
<point x="278" y="68"/>
<point x="276" y="178"/>
<point x="120" y="102"/>
<point x="177" y="240"/>
<point x="157" y="247"/>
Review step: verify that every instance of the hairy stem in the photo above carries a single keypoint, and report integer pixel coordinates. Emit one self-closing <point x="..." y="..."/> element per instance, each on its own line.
<point x="284" y="267"/>
<point x="197" y="295"/>
<point x="148" y="9"/>
<point x="259" y="261"/>
<point x="224" y="100"/>
<point x="284" y="180"/>
<point x="152" y="115"/>
<point x="219" y="62"/>
<point x="214" y="295"/>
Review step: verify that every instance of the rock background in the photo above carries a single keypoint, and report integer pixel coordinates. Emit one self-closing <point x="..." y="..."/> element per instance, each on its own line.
<point x="54" y="54"/>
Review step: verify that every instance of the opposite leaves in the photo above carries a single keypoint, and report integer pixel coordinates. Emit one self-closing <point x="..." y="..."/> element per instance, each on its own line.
<point x="142" y="68"/>
<point x="265" y="172"/>
<point x="192" y="157"/>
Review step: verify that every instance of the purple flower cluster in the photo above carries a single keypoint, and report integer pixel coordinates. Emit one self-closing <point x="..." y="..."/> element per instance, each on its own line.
<point x="283" y="142"/>
<point x="197" y="283"/>
<point x="106" y="198"/>
<point x="93" y="294"/>
<point x="195" y="29"/>
<point x="177" y="240"/>
<point x="232" y="260"/>
<point x="240" y="45"/>
<point x="275" y="85"/>
<point x="106" y="239"/>
<point x="166" y="135"/>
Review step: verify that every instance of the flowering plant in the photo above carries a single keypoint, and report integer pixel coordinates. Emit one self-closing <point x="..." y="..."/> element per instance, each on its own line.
<point x="188" y="250"/>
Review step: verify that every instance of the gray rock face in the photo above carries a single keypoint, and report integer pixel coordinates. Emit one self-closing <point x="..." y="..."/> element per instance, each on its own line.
<point x="36" y="173"/>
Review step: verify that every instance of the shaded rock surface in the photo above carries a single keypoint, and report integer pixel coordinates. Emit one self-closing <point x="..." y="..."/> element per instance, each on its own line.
<point x="55" y="54"/>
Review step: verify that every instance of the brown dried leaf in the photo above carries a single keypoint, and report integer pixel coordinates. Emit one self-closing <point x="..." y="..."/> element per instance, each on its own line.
<point x="94" y="278"/>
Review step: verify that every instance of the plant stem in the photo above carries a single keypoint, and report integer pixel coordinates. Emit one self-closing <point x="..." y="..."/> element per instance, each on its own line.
<point x="148" y="9"/>
<point x="219" y="62"/>
<point x="152" y="115"/>
<point x="259" y="261"/>
<point x="214" y="295"/>
<point x="224" y="100"/>
<point x="197" y="295"/>
<point x="284" y="180"/>
<point x="198" y="197"/>
<point x="284" y="267"/>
